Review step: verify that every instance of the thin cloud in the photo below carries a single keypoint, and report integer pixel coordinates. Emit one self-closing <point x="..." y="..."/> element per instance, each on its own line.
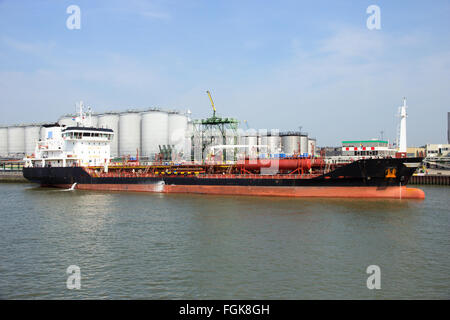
<point x="28" y="47"/>
<point x="155" y="15"/>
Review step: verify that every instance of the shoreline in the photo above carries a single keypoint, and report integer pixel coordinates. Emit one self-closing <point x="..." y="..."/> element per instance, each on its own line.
<point x="12" y="176"/>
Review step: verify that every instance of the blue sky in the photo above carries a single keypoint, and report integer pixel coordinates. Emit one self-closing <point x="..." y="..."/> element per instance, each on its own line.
<point x="277" y="64"/>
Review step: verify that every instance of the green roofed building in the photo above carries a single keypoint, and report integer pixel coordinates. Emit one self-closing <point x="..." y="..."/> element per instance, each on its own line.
<point x="367" y="148"/>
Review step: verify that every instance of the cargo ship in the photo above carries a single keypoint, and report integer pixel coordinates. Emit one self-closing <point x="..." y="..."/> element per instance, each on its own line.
<point x="78" y="157"/>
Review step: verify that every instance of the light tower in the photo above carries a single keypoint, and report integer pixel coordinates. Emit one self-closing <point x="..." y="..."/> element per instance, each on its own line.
<point x="402" y="143"/>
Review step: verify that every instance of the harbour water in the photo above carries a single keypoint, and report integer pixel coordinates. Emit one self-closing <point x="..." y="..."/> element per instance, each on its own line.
<point x="169" y="246"/>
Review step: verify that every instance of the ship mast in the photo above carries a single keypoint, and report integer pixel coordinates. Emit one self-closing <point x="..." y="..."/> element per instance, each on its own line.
<point x="402" y="143"/>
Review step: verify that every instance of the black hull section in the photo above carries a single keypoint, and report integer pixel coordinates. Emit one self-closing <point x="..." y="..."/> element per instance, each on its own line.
<point x="364" y="173"/>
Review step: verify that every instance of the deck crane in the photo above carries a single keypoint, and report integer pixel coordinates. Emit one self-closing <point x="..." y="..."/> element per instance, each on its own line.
<point x="212" y="103"/>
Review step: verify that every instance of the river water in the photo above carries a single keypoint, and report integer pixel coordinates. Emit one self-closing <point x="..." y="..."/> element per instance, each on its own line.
<point x="169" y="246"/>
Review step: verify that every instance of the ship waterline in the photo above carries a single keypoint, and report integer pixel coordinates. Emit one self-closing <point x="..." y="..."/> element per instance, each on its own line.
<point x="401" y="192"/>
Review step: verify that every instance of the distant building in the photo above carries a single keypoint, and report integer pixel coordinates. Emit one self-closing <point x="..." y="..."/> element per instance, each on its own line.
<point x="375" y="148"/>
<point x="448" y="127"/>
<point x="437" y="150"/>
<point x="413" y="152"/>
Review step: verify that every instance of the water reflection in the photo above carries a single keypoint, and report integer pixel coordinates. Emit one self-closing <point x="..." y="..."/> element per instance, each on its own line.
<point x="140" y="245"/>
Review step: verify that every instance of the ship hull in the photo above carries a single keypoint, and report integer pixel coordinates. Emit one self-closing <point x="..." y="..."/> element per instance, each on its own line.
<point x="360" y="179"/>
<point x="297" y="192"/>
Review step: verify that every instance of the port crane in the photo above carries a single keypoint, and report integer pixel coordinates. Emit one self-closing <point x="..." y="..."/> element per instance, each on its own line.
<point x="212" y="103"/>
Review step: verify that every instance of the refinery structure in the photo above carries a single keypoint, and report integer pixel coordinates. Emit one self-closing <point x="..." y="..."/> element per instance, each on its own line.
<point x="166" y="135"/>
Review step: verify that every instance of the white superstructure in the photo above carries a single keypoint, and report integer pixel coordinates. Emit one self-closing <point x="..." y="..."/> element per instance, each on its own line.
<point x="77" y="145"/>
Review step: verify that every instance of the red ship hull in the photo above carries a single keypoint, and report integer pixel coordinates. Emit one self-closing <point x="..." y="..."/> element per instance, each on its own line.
<point x="298" y="192"/>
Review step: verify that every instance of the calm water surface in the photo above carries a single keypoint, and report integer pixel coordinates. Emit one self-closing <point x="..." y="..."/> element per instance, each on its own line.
<point x="158" y="246"/>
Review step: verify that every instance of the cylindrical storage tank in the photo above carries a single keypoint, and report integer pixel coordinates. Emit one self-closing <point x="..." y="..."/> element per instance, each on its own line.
<point x="290" y="143"/>
<point x="240" y="140"/>
<point x="16" y="141"/>
<point x="42" y="133"/>
<point x="260" y="139"/>
<point x="3" y="141"/>
<point x="303" y="143"/>
<point x="111" y="121"/>
<point x="251" y="141"/>
<point x="67" y="120"/>
<point x="155" y="128"/>
<point x="32" y="136"/>
<point x="177" y="131"/>
<point x="262" y="144"/>
<point x="93" y="122"/>
<point x="273" y="144"/>
<point x="311" y="146"/>
<point x="130" y="133"/>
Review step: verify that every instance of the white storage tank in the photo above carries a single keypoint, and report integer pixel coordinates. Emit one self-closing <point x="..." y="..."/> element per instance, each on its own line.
<point x="251" y="141"/>
<point x="3" y="141"/>
<point x="311" y="146"/>
<point x="42" y="133"/>
<point x="273" y="143"/>
<point x="111" y="121"/>
<point x="32" y="136"/>
<point x="155" y="129"/>
<point x="94" y="121"/>
<point x="16" y="141"/>
<point x="130" y="133"/>
<point x="177" y="130"/>
<point x="290" y="142"/>
<point x="303" y="143"/>
<point x="262" y="143"/>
